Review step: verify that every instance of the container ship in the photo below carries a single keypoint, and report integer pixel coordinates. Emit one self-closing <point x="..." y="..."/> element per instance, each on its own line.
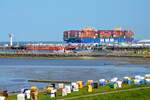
<point x="87" y="36"/>
<point x="90" y="35"/>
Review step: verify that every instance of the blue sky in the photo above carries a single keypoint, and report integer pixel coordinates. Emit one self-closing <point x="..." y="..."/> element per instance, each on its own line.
<point x="45" y="20"/>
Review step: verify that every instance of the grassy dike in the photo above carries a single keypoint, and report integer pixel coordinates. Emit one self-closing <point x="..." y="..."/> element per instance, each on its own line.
<point x="139" y="94"/>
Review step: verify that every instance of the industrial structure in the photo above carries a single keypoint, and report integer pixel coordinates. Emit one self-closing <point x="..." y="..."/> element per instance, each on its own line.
<point x="90" y="35"/>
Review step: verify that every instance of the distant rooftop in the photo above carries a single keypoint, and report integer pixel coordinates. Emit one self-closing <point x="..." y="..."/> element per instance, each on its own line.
<point x="144" y="41"/>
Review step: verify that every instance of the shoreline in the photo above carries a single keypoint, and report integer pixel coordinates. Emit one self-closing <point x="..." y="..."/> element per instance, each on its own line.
<point x="133" y="59"/>
<point x="69" y="55"/>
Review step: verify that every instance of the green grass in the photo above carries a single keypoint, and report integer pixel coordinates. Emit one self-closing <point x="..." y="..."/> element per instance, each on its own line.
<point x="132" y="95"/>
<point x="139" y="94"/>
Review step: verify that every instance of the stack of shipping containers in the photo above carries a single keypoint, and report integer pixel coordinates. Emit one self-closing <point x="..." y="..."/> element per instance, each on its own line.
<point x="89" y="35"/>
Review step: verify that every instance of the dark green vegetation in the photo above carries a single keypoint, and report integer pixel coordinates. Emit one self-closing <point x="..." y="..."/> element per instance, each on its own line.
<point x="140" y="94"/>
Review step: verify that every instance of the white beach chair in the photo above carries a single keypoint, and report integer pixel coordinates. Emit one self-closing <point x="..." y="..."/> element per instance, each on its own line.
<point x="21" y="96"/>
<point x="2" y="98"/>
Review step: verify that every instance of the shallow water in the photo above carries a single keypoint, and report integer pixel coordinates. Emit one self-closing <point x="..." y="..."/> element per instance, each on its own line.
<point x="15" y="73"/>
